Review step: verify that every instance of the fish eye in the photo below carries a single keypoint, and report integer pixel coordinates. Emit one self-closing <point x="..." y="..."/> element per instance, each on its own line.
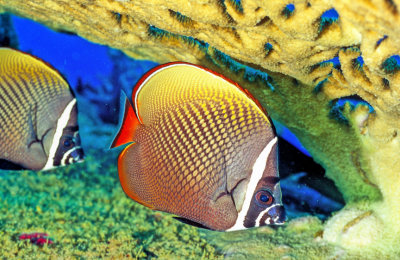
<point x="264" y="198"/>
<point x="68" y="143"/>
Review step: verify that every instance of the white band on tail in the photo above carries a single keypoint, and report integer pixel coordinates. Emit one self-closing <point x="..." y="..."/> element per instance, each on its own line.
<point x="256" y="175"/>
<point x="61" y="124"/>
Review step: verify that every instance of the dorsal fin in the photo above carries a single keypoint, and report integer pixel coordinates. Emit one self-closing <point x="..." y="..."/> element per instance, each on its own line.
<point x="151" y="72"/>
<point x="191" y="222"/>
<point x="245" y="91"/>
<point x="128" y="126"/>
<point x="140" y="84"/>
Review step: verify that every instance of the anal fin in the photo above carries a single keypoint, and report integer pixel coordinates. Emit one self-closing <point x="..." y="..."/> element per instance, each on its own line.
<point x="9" y="165"/>
<point x="190" y="222"/>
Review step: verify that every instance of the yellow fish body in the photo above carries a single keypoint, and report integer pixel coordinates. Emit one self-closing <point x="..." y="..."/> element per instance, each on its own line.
<point x="38" y="115"/>
<point x="201" y="148"/>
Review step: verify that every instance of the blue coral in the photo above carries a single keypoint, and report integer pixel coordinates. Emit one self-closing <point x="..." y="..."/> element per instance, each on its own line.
<point x="391" y="65"/>
<point x="117" y="16"/>
<point x="268" y="47"/>
<point x="336" y="112"/>
<point x="335" y="62"/>
<point x="380" y="41"/>
<point x="157" y="32"/>
<point x="288" y="10"/>
<point x="250" y="74"/>
<point x="321" y="84"/>
<point x="358" y="63"/>
<point x="354" y="101"/>
<point x="233" y="65"/>
<point x="338" y="107"/>
<point x="328" y="18"/>
<point x="253" y="75"/>
<point x="183" y="19"/>
<point x="160" y="34"/>
<point x="237" y="4"/>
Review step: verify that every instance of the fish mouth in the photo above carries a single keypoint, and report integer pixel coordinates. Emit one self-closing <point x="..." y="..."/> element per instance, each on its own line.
<point x="276" y="215"/>
<point x="74" y="155"/>
<point x="77" y="155"/>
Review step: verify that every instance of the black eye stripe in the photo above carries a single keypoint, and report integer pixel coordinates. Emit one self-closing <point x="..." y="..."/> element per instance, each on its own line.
<point x="271" y="179"/>
<point x="72" y="128"/>
<point x="68" y="142"/>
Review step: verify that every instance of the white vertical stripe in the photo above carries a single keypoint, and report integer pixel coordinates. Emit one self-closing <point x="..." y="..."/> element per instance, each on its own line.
<point x="61" y="124"/>
<point x="256" y="175"/>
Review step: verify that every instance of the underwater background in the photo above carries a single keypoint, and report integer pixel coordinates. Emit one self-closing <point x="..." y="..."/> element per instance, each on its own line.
<point x="84" y="212"/>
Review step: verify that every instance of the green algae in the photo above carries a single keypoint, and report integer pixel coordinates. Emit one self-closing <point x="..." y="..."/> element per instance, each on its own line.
<point x="85" y="212"/>
<point x="87" y="215"/>
<point x="299" y="239"/>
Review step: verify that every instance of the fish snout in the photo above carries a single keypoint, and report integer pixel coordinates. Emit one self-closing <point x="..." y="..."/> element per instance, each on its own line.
<point x="77" y="155"/>
<point x="276" y="215"/>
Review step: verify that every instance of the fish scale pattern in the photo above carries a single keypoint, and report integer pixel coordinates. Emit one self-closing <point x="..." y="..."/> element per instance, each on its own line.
<point x="193" y="152"/>
<point x="187" y="155"/>
<point x="28" y="87"/>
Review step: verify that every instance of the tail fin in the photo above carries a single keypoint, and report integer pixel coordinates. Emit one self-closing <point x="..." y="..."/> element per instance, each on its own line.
<point x="128" y="126"/>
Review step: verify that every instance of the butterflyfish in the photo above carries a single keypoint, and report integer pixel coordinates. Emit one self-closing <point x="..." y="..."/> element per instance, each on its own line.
<point x="201" y="148"/>
<point x="38" y="115"/>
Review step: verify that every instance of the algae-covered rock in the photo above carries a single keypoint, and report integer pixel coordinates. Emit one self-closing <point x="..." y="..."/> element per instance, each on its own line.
<point x="300" y="59"/>
<point x="87" y="216"/>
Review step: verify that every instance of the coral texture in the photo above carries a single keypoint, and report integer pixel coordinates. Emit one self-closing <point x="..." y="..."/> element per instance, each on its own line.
<point x="299" y="58"/>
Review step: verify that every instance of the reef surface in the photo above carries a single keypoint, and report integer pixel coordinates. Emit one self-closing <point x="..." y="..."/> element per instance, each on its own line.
<point x="86" y="214"/>
<point x="302" y="60"/>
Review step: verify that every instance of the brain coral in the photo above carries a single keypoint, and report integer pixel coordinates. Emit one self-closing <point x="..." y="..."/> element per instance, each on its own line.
<point x="299" y="58"/>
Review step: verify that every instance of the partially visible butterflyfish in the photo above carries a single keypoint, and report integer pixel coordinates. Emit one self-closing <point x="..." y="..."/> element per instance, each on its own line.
<point x="38" y="115"/>
<point x="200" y="147"/>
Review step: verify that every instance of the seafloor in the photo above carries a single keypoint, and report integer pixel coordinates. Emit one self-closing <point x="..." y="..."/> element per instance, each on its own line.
<point x="87" y="216"/>
<point x="85" y="212"/>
